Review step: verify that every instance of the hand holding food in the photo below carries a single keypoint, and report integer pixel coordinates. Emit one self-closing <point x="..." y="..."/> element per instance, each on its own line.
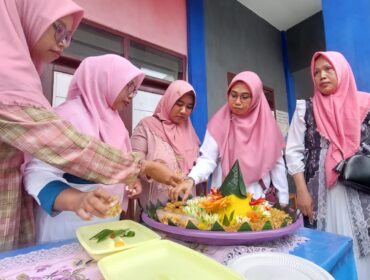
<point x="97" y="203"/>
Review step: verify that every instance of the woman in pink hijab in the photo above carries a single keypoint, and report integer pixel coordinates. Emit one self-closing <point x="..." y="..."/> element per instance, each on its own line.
<point x="34" y="33"/>
<point x="330" y="127"/>
<point x="244" y="129"/>
<point x="101" y="87"/>
<point x="168" y="136"/>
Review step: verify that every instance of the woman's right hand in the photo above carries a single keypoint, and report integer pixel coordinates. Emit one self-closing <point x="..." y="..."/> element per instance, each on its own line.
<point x="93" y="203"/>
<point x="304" y="198"/>
<point x="160" y="173"/>
<point x="305" y="204"/>
<point x="185" y="187"/>
<point x="84" y="204"/>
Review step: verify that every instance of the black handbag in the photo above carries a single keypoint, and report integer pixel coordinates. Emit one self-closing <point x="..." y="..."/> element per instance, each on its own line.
<point x="355" y="172"/>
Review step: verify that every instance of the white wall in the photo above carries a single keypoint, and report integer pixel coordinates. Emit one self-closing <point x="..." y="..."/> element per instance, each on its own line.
<point x="143" y="105"/>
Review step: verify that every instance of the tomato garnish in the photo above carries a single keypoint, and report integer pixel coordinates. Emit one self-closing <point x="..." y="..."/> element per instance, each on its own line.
<point x="257" y="201"/>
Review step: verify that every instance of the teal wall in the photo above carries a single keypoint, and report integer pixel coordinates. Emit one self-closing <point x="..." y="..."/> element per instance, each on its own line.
<point x="347" y="30"/>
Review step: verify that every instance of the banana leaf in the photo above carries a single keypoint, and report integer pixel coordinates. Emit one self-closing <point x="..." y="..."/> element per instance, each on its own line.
<point x="151" y="209"/>
<point x="233" y="183"/>
<point x="170" y="223"/>
<point x="245" y="227"/>
<point x="225" y="221"/>
<point x="190" y="225"/>
<point x="217" y="227"/>
<point x="267" y="226"/>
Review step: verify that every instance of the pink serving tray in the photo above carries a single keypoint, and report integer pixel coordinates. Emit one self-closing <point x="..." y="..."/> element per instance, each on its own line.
<point x="220" y="237"/>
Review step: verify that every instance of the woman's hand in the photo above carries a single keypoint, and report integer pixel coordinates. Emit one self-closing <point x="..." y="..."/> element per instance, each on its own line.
<point x="185" y="187"/>
<point x="305" y="204"/>
<point x="304" y="199"/>
<point x="84" y="204"/>
<point x="160" y="173"/>
<point x="134" y="190"/>
<point x="93" y="203"/>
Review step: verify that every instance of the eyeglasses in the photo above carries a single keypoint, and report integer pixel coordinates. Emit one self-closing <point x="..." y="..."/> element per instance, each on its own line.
<point x="243" y="97"/>
<point x="62" y="35"/>
<point x="131" y="89"/>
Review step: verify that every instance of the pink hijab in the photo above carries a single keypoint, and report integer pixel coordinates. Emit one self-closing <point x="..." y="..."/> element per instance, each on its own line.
<point x="254" y="139"/>
<point x="339" y="115"/>
<point x="22" y="24"/>
<point x="182" y="138"/>
<point x="95" y="86"/>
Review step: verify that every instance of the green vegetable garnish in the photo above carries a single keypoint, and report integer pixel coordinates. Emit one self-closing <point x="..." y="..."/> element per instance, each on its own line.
<point x="105" y="233"/>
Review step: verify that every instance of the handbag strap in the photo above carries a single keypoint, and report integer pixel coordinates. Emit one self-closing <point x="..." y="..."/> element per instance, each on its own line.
<point x="262" y="184"/>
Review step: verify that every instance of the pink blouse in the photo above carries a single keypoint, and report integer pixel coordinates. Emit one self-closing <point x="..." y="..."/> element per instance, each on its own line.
<point x="151" y="147"/>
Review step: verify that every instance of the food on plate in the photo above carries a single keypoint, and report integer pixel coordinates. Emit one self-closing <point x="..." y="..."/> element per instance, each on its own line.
<point x="116" y="236"/>
<point x="229" y="208"/>
<point x="229" y="213"/>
